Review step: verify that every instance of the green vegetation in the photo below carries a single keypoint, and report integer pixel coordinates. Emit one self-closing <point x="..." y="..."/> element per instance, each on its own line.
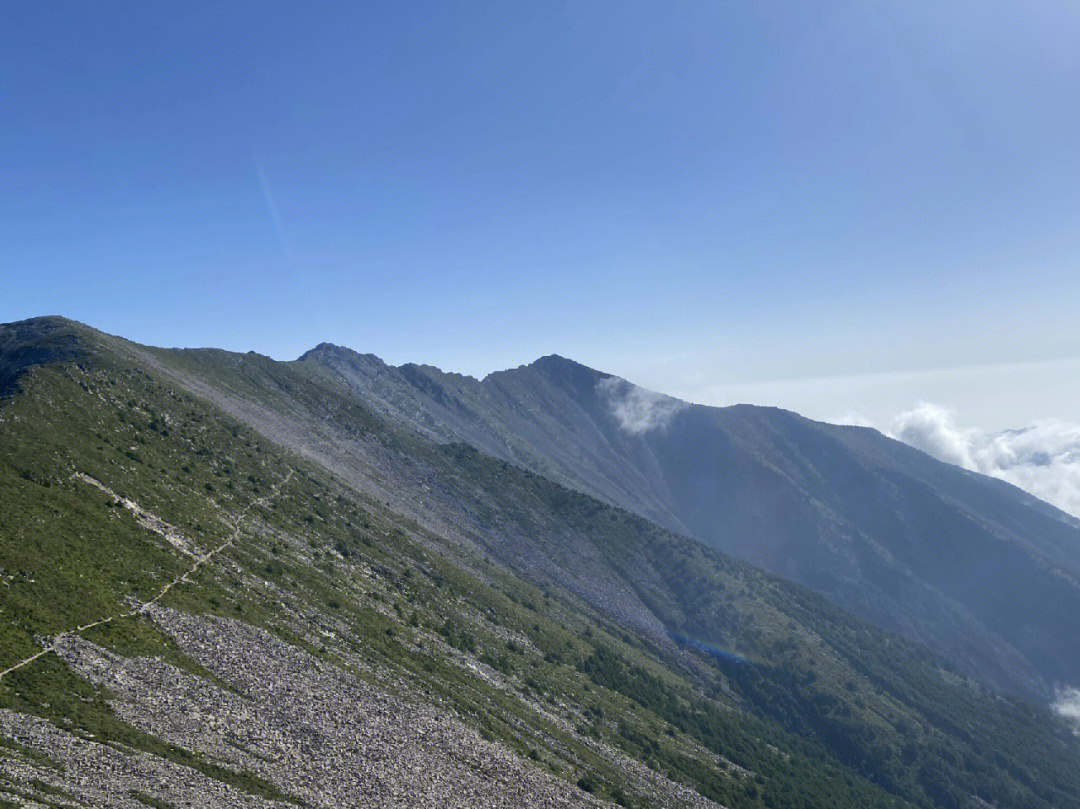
<point x="883" y="707"/>
<point x="150" y="800"/>
<point x="822" y="711"/>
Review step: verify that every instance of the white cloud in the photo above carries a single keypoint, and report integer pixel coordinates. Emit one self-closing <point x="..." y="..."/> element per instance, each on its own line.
<point x="933" y="430"/>
<point x="996" y="397"/>
<point x="637" y="410"/>
<point x="1066" y="704"/>
<point x="851" y="418"/>
<point x="1043" y="459"/>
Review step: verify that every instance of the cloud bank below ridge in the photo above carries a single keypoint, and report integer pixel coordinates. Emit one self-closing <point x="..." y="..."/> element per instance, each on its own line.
<point x="1043" y="459"/>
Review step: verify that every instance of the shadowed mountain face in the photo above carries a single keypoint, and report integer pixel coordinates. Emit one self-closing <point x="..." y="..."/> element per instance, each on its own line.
<point x="974" y="567"/>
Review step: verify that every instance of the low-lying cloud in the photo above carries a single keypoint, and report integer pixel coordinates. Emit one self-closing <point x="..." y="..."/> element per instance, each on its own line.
<point x="1066" y="704"/>
<point x="636" y="409"/>
<point x="1042" y="459"/>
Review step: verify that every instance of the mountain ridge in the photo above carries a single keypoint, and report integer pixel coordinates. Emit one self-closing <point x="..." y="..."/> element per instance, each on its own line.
<point x="521" y="415"/>
<point x="553" y="417"/>
<point x="578" y="647"/>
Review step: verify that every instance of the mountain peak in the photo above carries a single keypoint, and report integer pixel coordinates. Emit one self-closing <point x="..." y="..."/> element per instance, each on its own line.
<point x="330" y="353"/>
<point x="558" y="361"/>
<point x="558" y="367"/>
<point x="41" y="340"/>
<point x="322" y="350"/>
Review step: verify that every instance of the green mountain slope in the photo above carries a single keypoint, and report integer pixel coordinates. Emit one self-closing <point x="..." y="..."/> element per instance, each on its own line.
<point x="313" y="606"/>
<point x="973" y="567"/>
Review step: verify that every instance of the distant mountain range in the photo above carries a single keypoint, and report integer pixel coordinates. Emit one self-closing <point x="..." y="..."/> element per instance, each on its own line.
<point x="230" y="581"/>
<point x="973" y="567"/>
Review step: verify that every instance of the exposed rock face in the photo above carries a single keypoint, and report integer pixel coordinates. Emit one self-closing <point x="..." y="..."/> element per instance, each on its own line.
<point x="311" y="729"/>
<point x="100" y="775"/>
<point x="146" y="519"/>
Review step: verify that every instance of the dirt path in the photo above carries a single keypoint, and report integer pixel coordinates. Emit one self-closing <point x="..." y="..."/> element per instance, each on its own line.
<point x="181" y="579"/>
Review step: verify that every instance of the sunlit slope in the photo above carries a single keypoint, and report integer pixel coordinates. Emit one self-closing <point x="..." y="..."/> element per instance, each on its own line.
<point x="395" y="619"/>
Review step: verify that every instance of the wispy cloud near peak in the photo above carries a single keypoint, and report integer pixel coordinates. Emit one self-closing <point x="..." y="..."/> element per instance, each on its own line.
<point x="637" y="410"/>
<point x="1066" y="704"/>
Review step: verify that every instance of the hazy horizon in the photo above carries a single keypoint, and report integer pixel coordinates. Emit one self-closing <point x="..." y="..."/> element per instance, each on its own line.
<point x="845" y="211"/>
<point x="762" y="202"/>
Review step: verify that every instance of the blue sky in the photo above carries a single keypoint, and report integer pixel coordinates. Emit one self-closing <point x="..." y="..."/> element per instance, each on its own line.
<point x="834" y="207"/>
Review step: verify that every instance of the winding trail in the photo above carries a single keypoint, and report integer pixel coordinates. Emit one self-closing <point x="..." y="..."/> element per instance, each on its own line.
<point x="183" y="578"/>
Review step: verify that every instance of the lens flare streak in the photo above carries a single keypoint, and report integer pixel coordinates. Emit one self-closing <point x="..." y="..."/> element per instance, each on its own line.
<point x="722" y="652"/>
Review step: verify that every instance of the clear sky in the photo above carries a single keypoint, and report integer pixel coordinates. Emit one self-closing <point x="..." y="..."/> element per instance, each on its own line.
<point x="835" y="207"/>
